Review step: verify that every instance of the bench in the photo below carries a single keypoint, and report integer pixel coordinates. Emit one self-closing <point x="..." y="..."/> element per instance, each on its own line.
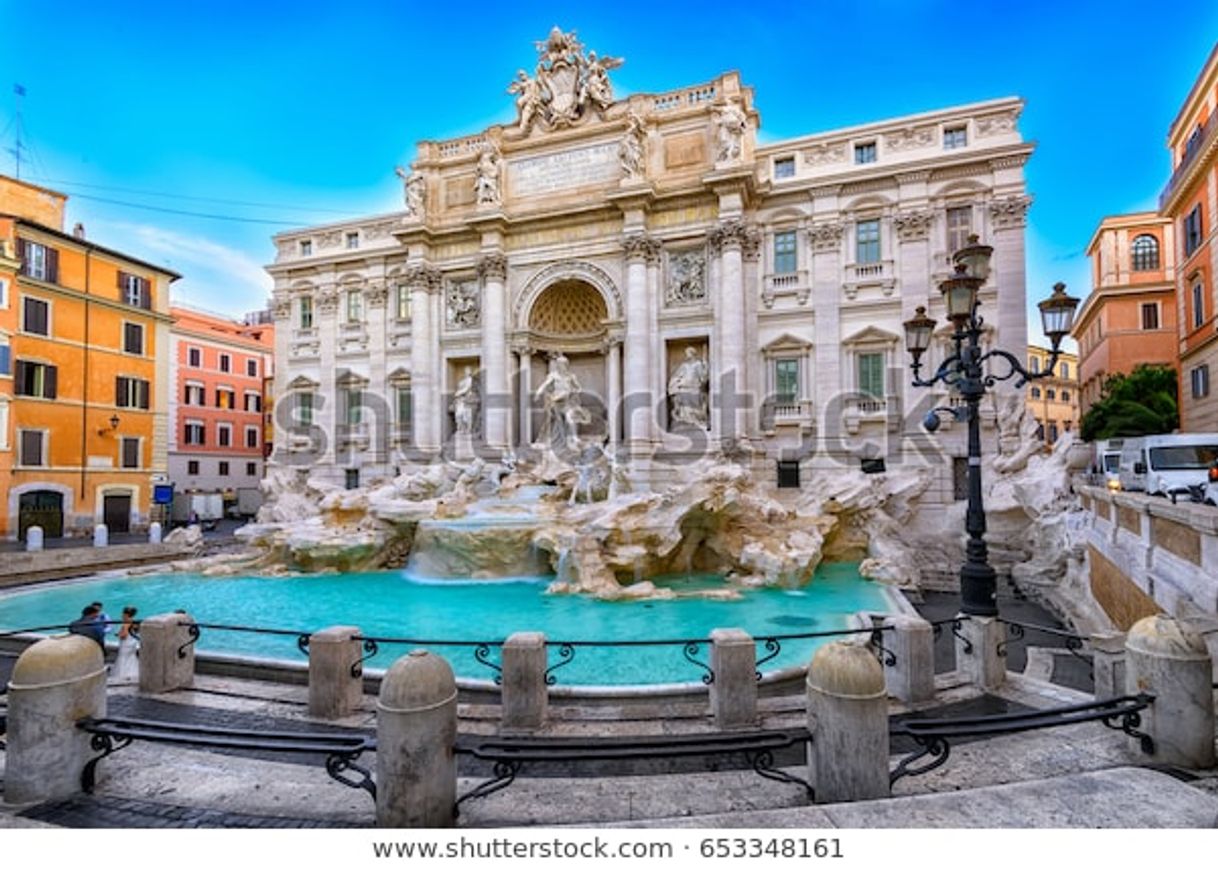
<point x="341" y="750"/>
<point x="933" y="734"/>
<point x="509" y="754"/>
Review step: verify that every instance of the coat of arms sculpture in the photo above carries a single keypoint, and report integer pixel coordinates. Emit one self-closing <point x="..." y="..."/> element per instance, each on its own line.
<point x="566" y="85"/>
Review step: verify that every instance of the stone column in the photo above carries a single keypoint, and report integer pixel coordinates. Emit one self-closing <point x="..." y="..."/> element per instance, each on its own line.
<point x="827" y="274"/>
<point x="526" y="397"/>
<point x="613" y="378"/>
<point x="334" y="689"/>
<point x="496" y="399"/>
<point x="325" y="412"/>
<point x="54" y="684"/>
<point x="167" y="653"/>
<point x="375" y="298"/>
<point x="423" y="279"/>
<point x="730" y="382"/>
<point x="416" y="729"/>
<point x="977" y="651"/>
<point x="639" y="401"/>
<point x="749" y="382"/>
<point x="848" y="720"/>
<point x="912" y="678"/>
<point x="1007" y="221"/>
<point x="733" y="693"/>
<point x="1108" y="663"/>
<point x="1170" y="661"/>
<point x="525" y="693"/>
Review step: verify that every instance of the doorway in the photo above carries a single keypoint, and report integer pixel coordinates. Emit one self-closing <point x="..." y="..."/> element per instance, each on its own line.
<point x="42" y="508"/>
<point x="116" y="513"/>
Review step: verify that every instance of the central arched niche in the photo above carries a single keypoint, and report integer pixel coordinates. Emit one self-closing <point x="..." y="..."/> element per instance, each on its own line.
<point x="569" y="309"/>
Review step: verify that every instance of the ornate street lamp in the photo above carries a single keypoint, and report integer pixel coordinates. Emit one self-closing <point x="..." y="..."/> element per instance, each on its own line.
<point x="964" y="370"/>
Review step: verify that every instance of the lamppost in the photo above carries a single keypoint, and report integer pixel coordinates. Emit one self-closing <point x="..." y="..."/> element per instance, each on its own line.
<point x="965" y="371"/>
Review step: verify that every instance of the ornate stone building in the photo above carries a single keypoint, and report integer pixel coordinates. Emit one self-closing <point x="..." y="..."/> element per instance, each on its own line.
<point x="705" y="290"/>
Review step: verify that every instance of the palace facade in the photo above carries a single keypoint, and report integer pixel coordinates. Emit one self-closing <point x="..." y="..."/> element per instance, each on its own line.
<point x="633" y="236"/>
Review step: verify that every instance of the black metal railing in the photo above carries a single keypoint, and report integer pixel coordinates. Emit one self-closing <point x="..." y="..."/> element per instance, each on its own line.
<point x="1071" y="642"/>
<point x="1197" y="143"/>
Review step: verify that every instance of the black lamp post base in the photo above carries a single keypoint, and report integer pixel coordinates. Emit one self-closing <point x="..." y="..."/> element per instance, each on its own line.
<point x="978" y="589"/>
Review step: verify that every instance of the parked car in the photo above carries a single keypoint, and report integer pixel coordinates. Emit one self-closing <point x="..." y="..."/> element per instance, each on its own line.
<point x="1108" y="462"/>
<point x="1168" y="464"/>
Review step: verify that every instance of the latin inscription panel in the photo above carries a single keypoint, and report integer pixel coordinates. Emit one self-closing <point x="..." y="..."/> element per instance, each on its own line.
<point x="536" y="176"/>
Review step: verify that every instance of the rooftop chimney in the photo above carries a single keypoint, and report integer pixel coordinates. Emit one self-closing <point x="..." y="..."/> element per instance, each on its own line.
<point x="78" y="231"/>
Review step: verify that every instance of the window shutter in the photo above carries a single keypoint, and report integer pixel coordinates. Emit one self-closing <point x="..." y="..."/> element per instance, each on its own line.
<point x="122" y="281"/>
<point x="21" y="256"/>
<point x="52" y="265"/>
<point x="19" y="377"/>
<point x="119" y="392"/>
<point x="142" y="388"/>
<point x="145" y="295"/>
<point x="50" y="381"/>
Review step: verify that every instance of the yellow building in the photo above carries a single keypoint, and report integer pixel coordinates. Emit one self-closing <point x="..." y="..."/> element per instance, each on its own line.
<point x="85" y="387"/>
<point x="1053" y="400"/>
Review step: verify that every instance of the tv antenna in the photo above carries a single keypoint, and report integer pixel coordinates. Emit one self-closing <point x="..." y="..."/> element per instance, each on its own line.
<point x="18" y="146"/>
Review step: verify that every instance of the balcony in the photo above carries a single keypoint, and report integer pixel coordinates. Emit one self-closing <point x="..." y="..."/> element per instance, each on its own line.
<point x="357" y="435"/>
<point x="869" y="409"/>
<point x="304" y="343"/>
<point x="778" y="412"/>
<point x="1192" y="155"/>
<point x="786" y="284"/>
<point x="880" y="274"/>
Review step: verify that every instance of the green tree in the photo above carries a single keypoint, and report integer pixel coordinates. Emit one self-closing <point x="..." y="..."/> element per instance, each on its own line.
<point x="1142" y="402"/>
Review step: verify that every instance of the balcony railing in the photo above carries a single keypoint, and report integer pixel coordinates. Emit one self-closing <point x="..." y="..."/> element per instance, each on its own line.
<point x="881" y="273"/>
<point x="1191" y="154"/>
<point x="784" y="283"/>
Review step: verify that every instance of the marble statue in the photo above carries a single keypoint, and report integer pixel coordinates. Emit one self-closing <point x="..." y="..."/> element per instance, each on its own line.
<point x="731" y="124"/>
<point x="631" y="151"/>
<point x="686" y="279"/>
<point x="529" y="100"/>
<point x="463" y="305"/>
<point x="596" y="88"/>
<point x="414" y="191"/>
<point x="486" y="182"/>
<point x="687" y="393"/>
<point x="466" y="403"/>
<point x="564" y="413"/>
<point x="566" y="86"/>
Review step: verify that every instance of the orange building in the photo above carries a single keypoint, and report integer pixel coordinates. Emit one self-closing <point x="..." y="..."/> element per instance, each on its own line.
<point x="217" y="401"/>
<point x="83" y="381"/>
<point x="1053" y="400"/>
<point x="1130" y="316"/>
<point x="1190" y="202"/>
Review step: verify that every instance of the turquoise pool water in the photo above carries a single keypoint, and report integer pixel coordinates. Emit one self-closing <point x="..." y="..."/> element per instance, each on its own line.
<point x="388" y="604"/>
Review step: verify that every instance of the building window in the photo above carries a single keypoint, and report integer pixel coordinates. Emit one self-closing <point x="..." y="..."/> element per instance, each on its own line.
<point x="192" y="468"/>
<point x="788" y="475"/>
<point x="226" y="399"/>
<point x="5" y="357"/>
<point x="355" y="306"/>
<point x="130" y="451"/>
<point x="196" y="434"/>
<point x="871" y="374"/>
<point x="251" y="469"/>
<point x="251" y="436"/>
<point x="33" y="451"/>
<point x="867" y="241"/>
<point x="306" y="247"/>
<point x="784" y="167"/>
<point x="352" y="240"/>
<point x="959" y="227"/>
<point x="1199" y="380"/>
<point x="402" y="302"/>
<point x="784" y="252"/>
<point x="865" y="152"/>
<point x="134" y="291"/>
<point x="353" y="403"/>
<point x="38" y="261"/>
<point x="3" y="293"/>
<point x="403" y="405"/>
<point x="251" y="367"/>
<point x="306" y="312"/>
<point x="35" y="379"/>
<point x="222" y="469"/>
<point x="352" y="478"/>
<point x="1065" y="394"/>
<point x="1192" y="231"/>
<point x="786" y="380"/>
<point x="1051" y="394"/>
<point x="954" y="137"/>
<point x="304" y="408"/>
<point x="226" y="362"/>
<point x="195" y="394"/>
<point x="1052" y="432"/>
<point x="1036" y="392"/>
<point x="4" y="425"/>
<point x="131" y="392"/>
<point x="1145" y="253"/>
<point x="1150" y="315"/>
<point x="224" y="434"/>
<point x="253" y="402"/>
<point x="194" y="357"/>
<point x="1064" y="370"/>
<point x="35" y="316"/>
<point x="1198" y="305"/>
<point x="133" y="338"/>
<point x="1035" y="364"/>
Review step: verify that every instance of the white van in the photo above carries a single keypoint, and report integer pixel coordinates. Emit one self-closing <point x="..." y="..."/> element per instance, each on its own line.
<point x="1161" y="464"/>
<point x="1108" y="462"/>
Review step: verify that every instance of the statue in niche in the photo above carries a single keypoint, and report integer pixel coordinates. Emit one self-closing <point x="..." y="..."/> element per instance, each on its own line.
<point x="597" y="90"/>
<point x="464" y="311"/>
<point x="564" y="412"/>
<point x="687" y="392"/>
<point x="732" y="124"/>
<point x="686" y="283"/>
<point x="414" y="191"/>
<point x="486" y="181"/>
<point x="631" y="152"/>
<point x="466" y="403"/>
<point x="529" y="100"/>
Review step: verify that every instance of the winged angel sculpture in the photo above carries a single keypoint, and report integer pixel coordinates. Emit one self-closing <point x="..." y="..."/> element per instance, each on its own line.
<point x="566" y="85"/>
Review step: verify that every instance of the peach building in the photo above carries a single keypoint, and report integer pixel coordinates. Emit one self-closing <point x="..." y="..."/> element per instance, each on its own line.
<point x="1130" y="316"/>
<point x="221" y="371"/>
<point x="1053" y="400"/>
<point x="84" y="346"/>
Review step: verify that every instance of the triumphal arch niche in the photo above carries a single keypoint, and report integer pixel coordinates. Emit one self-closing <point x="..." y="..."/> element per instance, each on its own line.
<point x="691" y="288"/>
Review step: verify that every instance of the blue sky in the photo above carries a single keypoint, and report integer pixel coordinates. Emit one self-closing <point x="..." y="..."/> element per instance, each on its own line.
<point x="297" y="114"/>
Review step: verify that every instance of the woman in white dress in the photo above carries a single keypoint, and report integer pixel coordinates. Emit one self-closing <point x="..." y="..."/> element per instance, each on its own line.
<point x="127" y="666"/>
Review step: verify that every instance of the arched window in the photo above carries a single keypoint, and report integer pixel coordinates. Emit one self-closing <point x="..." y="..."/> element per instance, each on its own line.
<point x="1145" y="253"/>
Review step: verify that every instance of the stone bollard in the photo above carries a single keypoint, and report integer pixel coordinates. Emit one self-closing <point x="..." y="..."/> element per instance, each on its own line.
<point x="33" y="538"/>
<point x="1170" y="661"/>
<point x="912" y="678"/>
<point x="1108" y="663"/>
<point x="525" y="693"/>
<point x="101" y="536"/>
<point x="167" y="653"/>
<point x="336" y="681"/>
<point x="983" y="666"/>
<point x="154" y="532"/>
<point x="848" y="720"/>
<point x="733" y="693"/>
<point x="416" y="729"/>
<point x="55" y="683"/>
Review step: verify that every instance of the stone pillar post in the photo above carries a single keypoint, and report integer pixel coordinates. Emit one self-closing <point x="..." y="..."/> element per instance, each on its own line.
<point x="55" y="683"/>
<point x="336" y="683"/>
<point x="848" y="719"/>
<point x="424" y="378"/>
<point x="1108" y="663"/>
<point x="733" y="693"/>
<point x="496" y="399"/>
<point x="912" y="678"/>
<point x="525" y="693"/>
<point x="526" y="396"/>
<point x="639" y="402"/>
<point x="1169" y="660"/>
<point x="977" y="651"/>
<point x="154" y="532"/>
<point x="33" y="538"/>
<point x="416" y="729"/>
<point x="614" y="380"/>
<point x="101" y="536"/>
<point x="167" y="653"/>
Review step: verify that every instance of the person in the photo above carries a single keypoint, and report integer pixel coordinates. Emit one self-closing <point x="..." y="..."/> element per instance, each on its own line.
<point x="89" y="626"/>
<point x="102" y="618"/>
<point x="126" y="666"/>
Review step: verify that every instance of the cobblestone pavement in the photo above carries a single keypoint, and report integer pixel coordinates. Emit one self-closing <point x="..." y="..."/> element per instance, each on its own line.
<point x="101" y="812"/>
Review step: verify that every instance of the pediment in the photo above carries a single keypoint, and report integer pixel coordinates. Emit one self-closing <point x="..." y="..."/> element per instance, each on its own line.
<point x="787" y="341"/>
<point x="302" y="382"/>
<point x="872" y="335"/>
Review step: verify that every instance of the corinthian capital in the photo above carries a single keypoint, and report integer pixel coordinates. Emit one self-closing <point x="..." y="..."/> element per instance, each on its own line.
<point x="1010" y="211"/>
<point x="423" y="277"/>
<point x="733" y="233"/>
<point x="376" y="294"/>
<point x="912" y="225"/>
<point x="492" y="267"/>
<point x="827" y="237"/>
<point x="640" y="245"/>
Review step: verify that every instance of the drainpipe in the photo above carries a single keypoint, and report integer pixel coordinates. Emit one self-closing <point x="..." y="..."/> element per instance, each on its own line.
<point x="84" y="403"/>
